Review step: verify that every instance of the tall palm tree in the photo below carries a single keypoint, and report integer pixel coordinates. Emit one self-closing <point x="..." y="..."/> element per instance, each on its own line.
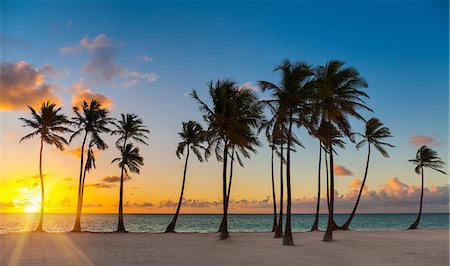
<point x="130" y="160"/>
<point x="234" y="113"/>
<point x="89" y="165"/>
<point x="425" y="157"/>
<point x="192" y="137"/>
<point x="292" y="94"/>
<point x="92" y="120"/>
<point x="375" y="134"/>
<point x="338" y="97"/>
<point x="130" y="127"/>
<point x="49" y="124"/>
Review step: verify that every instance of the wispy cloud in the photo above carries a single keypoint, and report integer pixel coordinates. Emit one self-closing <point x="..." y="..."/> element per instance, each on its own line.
<point x="24" y="85"/>
<point x="340" y="170"/>
<point x="420" y="140"/>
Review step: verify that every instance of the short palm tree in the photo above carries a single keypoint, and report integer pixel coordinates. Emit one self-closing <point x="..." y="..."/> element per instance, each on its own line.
<point x="130" y="160"/>
<point x="292" y="96"/>
<point x="338" y="97"/>
<point x="375" y="134"/>
<point x="92" y="120"/>
<point x="192" y="137"/>
<point x="130" y="127"/>
<point x="425" y="157"/>
<point x="49" y="124"/>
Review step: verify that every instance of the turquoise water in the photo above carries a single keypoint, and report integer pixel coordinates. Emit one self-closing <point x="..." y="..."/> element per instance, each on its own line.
<point x="204" y="223"/>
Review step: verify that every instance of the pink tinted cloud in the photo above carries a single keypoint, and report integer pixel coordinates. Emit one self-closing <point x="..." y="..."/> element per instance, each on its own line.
<point x="22" y="85"/>
<point x="340" y="170"/>
<point x="82" y="93"/>
<point x="420" y="140"/>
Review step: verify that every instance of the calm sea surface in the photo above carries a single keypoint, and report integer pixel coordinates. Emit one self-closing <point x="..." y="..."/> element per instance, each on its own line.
<point x="209" y="222"/>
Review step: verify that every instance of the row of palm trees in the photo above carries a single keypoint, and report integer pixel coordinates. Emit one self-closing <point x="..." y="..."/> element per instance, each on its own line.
<point x="321" y="99"/>
<point x="90" y="122"/>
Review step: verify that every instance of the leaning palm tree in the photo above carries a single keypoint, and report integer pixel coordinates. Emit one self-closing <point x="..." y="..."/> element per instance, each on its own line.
<point x="338" y="97"/>
<point x="230" y="120"/>
<point x="89" y="165"/>
<point x="292" y="96"/>
<point x="375" y="134"/>
<point x="49" y="123"/>
<point x="92" y="120"/>
<point x="425" y="157"/>
<point x="193" y="136"/>
<point x="130" y="160"/>
<point x="130" y="127"/>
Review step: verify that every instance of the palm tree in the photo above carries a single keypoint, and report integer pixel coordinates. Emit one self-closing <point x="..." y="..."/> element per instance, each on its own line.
<point x="129" y="127"/>
<point x="49" y="123"/>
<point x="425" y="157"/>
<point x="292" y="95"/>
<point x="234" y="112"/>
<point x="193" y="136"/>
<point x="132" y="161"/>
<point x="338" y="97"/>
<point x="89" y="165"/>
<point x="92" y="120"/>
<point x="375" y="133"/>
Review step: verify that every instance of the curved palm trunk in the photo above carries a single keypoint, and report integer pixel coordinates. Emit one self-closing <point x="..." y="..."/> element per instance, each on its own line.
<point x="229" y="187"/>
<point x="279" y="231"/>
<point x="77" y="226"/>
<point x="328" y="183"/>
<point x="287" y="238"/>
<point x="41" y="217"/>
<point x="171" y="227"/>
<point x="346" y="225"/>
<point x="331" y="224"/>
<point x="224" y="228"/>
<point x="274" y="225"/>
<point x="416" y="223"/>
<point x="315" y="225"/>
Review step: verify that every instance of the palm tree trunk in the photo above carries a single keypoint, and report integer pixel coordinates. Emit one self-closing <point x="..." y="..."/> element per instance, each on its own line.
<point x="416" y="223"/>
<point x="279" y="231"/>
<point x="287" y="238"/>
<point x="315" y="225"/>
<point x="77" y="225"/>
<point x="274" y="225"/>
<point x="224" y="227"/>
<point x="331" y="224"/>
<point x="346" y="225"/>
<point x="41" y="217"/>
<point x="229" y="186"/>
<point x="120" y="225"/>
<point x="328" y="183"/>
<point x="171" y="227"/>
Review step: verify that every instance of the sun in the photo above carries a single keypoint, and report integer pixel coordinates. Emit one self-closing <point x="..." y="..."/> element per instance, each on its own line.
<point x="33" y="206"/>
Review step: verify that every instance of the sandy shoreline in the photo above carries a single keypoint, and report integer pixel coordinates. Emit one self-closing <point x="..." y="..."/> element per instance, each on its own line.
<point x="406" y="247"/>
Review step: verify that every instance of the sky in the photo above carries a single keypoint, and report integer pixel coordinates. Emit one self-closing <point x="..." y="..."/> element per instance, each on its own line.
<point x="145" y="57"/>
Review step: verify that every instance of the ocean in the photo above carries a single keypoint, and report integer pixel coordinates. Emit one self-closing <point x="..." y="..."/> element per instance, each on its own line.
<point x="204" y="223"/>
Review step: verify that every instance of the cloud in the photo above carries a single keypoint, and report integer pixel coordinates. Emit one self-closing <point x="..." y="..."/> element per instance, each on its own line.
<point x="99" y="185"/>
<point x="70" y="49"/>
<point x="65" y="203"/>
<point x="77" y="151"/>
<point x="100" y="41"/>
<point x="24" y="85"/>
<point x="101" y="68"/>
<point x="92" y="205"/>
<point x="250" y="85"/>
<point x="82" y="93"/>
<point x="340" y="170"/>
<point x="112" y="179"/>
<point x="420" y="140"/>
<point x="145" y="204"/>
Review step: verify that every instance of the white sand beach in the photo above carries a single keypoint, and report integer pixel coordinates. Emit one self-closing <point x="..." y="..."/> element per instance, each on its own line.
<point x="406" y="247"/>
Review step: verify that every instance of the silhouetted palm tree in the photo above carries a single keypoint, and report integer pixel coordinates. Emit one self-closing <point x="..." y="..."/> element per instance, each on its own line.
<point x="193" y="136"/>
<point x="375" y="133"/>
<point x="338" y="97"/>
<point x="234" y="113"/>
<point x="132" y="161"/>
<point x="130" y="127"/>
<point x="89" y="165"/>
<point x="425" y="157"/>
<point x="92" y="120"/>
<point x="292" y="94"/>
<point x="49" y="123"/>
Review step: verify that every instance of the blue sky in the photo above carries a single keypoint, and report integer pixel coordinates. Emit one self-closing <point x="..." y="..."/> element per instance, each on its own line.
<point x="400" y="47"/>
